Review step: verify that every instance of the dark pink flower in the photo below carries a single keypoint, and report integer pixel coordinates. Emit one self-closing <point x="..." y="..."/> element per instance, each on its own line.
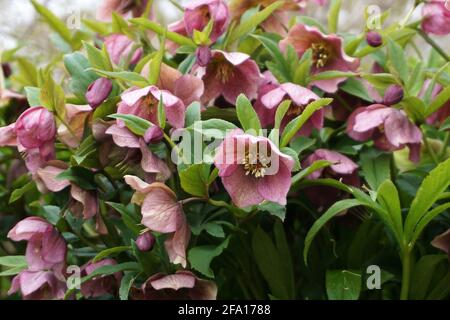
<point x="267" y="104"/>
<point x="122" y="7"/>
<point x="100" y="285"/>
<point x="253" y="169"/>
<point x="38" y="285"/>
<point x="390" y="129"/>
<point x="120" y="48"/>
<point x="182" y="285"/>
<point x="98" y="91"/>
<point x="144" y="103"/>
<point x="327" y="53"/>
<point x="442" y="242"/>
<point x="229" y="74"/>
<point x="342" y="169"/>
<point x="197" y="15"/>
<point x="35" y="127"/>
<point x="436" y="17"/>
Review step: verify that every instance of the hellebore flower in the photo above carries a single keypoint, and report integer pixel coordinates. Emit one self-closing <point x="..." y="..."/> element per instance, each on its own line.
<point x="120" y="47"/>
<point x="393" y="95"/>
<point x="46" y="248"/>
<point x="145" y="242"/>
<point x="436" y="17"/>
<point x="327" y="54"/>
<point x="229" y="74"/>
<point x="300" y="97"/>
<point x="253" y="169"/>
<point x="35" y="128"/>
<point x="182" y="285"/>
<point x="100" y="285"/>
<point x="38" y="285"/>
<point x="144" y="103"/>
<point x="442" y="242"/>
<point x="188" y="88"/>
<point x="122" y="7"/>
<point x="389" y="128"/>
<point x="98" y="91"/>
<point x="161" y="212"/>
<point x="197" y="15"/>
<point x="374" y="39"/>
<point x="342" y="168"/>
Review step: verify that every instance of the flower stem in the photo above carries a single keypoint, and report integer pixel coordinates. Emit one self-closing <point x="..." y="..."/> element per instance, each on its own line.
<point x="432" y="43"/>
<point x="406" y="273"/>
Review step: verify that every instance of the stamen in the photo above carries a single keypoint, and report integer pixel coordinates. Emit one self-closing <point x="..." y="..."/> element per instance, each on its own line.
<point x="321" y="54"/>
<point x="255" y="164"/>
<point x="295" y="110"/>
<point x="224" y="71"/>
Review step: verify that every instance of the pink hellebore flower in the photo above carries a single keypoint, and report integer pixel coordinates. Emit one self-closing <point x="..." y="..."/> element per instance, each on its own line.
<point x="253" y="169"/>
<point x="161" y="212"/>
<point x="38" y="285"/>
<point x="342" y="168"/>
<point x="46" y="248"/>
<point x="267" y="105"/>
<point x="436" y="17"/>
<point x="182" y="285"/>
<point x="100" y="285"/>
<point x="35" y="128"/>
<point x="197" y="15"/>
<point x="327" y="54"/>
<point x="122" y="7"/>
<point x="229" y="74"/>
<point x="390" y="128"/>
<point x="120" y="48"/>
<point x="442" y="242"/>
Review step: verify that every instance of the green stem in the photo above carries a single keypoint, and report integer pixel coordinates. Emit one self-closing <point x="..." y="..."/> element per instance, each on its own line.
<point x="432" y="43"/>
<point x="406" y="273"/>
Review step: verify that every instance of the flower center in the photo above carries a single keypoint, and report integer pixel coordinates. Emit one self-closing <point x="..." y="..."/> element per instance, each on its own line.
<point x="255" y="164"/>
<point x="224" y="71"/>
<point x="321" y="54"/>
<point x="152" y="104"/>
<point x="295" y="110"/>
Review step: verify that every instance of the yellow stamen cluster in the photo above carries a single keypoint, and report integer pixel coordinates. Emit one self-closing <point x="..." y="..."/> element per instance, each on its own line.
<point x="321" y="55"/>
<point x="224" y="71"/>
<point x="152" y="104"/>
<point x="255" y="164"/>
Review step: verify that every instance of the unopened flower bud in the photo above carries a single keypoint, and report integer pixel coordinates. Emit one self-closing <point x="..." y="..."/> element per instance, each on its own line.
<point x="393" y="95"/>
<point x="374" y="39"/>
<point x="98" y="91"/>
<point x="154" y="135"/>
<point x="203" y="55"/>
<point x="145" y="242"/>
<point x="35" y="127"/>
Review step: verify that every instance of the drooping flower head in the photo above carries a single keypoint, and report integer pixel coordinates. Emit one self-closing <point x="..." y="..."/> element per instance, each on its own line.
<point x="121" y="48"/>
<point x="123" y="7"/>
<point x="197" y="15"/>
<point x="300" y="97"/>
<point x="436" y="19"/>
<point x="390" y="129"/>
<point x="38" y="285"/>
<point x="35" y="127"/>
<point x="229" y="74"/>
<point x="253" y="169"/>
<point x="327" y="53"/>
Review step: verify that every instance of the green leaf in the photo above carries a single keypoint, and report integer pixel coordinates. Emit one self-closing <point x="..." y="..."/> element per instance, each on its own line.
<point x="285" y="258"/>
<point x="56" y="24"/>
<point x="333" y="74"/>
<point x="380" y="80"/>
<point x="13" y="261"/>
<point x="193" y="114"/>
<point x="136" y="124"/>
<point x="334" y="210"/>
<point x="438" y="102"/>
<point x="343" y="284"/>
<point x="127" y="76"/>
<point x="274" y="209"/>
<point x="98" y="59"/>
<point x="317" y="165"/>
<point x="376" y="168"/>
<point x="295" y="125"/>
<point x="422" y="275"/>
<point x="77" y="65"/>
<point x="429" y="192"/>
<point x="281" y="112"/>
<point x="415" y="108"/>
<point x="172" y="36"/>
<point x="33" y="96"/>
<point x="333" y="15"/>
<point x="202" y="256"/>
<point x="110" y="251"/>
<point x="303" y="69"/>
<point x="294" y="155"/>
<point x="52" y="97"/>
<point x="387" y="196"/>
<point x="155" y="64"/>
<point x="19" y="193"/>
<point x="12" y="271"/>
<point x="247" y="115"/>
<point x="397" y="59"/>
<point x="125" y="285"/>
<point x="355" y="87"/>
<point x="129" y="219"/>
<point x="251" y="23"/>
<point x="194" y="180"/>
<point x="161" y="113"/>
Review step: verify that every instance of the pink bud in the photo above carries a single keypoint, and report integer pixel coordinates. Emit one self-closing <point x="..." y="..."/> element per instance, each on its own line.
<point x="203" y="55"/>
<point x="153" y="135"/>
<point x="393" y="95"/>
<point x="98" y="91"/>
<point x="35" y="127"/>
<point x="374" y="39"/>
<point x="145" y="242"/>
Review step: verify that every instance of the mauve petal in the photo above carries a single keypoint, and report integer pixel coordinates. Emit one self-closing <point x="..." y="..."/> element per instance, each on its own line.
<point x="174" y="281"/>
<point x="414" y="152"/>
<point x="243" y="189"/>
<point x="8" y="136"/>
<point x="76" y="119"/>
<point x="189" y="88"/>
<point x="203" y="290"/>
<point x="177" y="244"/>
<point x="27" y="228"/>
<point x="372" y="117"/>
<point x="436" y="18"/>
<point x="86" y="199"/>
<point x="160" y="210"/>
<point x="341" y="164"/>
<point x="133" y="96"/>
<point x="153" y="164"/>
<point x="399" y="130"/>
<point x="235" y="58"/>
<point x="299" y="95"/>
<point x="273" y="98"/>
<point x="275" y="188"/>
<point x="48" y="176"/>
<point x="123" y="137"/>
<point x="33" y="281"/>
<point x="54" y="248"/>
<point x="173" y="106"/>
<point x="358" y="136"/>
<point x="442" y="242"/>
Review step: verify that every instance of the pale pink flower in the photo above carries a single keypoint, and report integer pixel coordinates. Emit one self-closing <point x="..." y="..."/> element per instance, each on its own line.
<point x="436" y="17"/>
